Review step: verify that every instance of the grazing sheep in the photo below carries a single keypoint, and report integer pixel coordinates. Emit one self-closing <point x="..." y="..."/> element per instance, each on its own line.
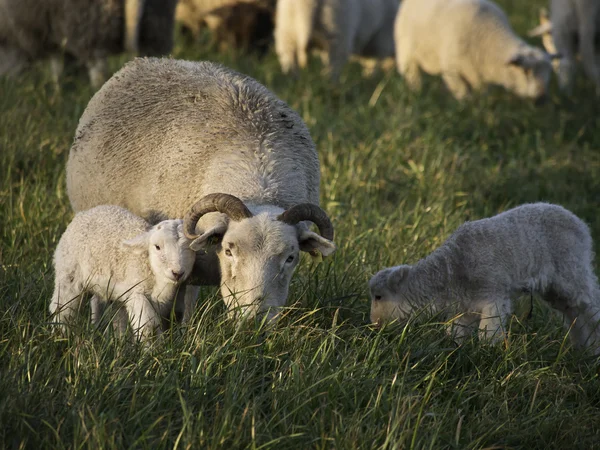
<point x="573" y="28"/>
<point x="340" y="27"/>
<point x="164" y="134"/>
<point x="89" y="30"/>
<point x="113" y="254"/>
<point x="538" y="247"/>
<point x="470" y="43"/>
<point x="243" y="24"/>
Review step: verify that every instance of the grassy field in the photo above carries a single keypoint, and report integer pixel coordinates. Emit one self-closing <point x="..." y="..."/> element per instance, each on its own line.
<point x="399" y="173"/>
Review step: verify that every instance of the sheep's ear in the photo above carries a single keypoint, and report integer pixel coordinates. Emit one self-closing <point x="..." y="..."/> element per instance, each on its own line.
<point x="516" y="60"/>
<point x="398" y="276"/>
<point x="209" y="238"/>
<point x="312" y="242"/>
<point x="138" y="244"/>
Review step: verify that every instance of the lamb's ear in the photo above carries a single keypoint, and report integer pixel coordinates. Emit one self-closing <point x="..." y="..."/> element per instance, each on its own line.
<point x="397" y="276"/>
<point x="210" y="237"/>
<point x="138" y="244"/>
<point x="312" y="242"/>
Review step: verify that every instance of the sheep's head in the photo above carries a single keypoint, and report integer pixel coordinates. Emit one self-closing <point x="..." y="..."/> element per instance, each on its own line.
<point x="529" y="74"/>
<point x="168" y="250"/>
<point x="388" y="301"/>
<point x="257" y="253"/>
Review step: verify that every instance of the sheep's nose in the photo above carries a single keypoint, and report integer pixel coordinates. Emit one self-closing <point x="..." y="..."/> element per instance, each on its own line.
<point x="177" y="275"/>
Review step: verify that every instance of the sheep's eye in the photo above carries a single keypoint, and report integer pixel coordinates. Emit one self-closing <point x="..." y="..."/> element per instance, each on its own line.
<point x="157" y="247"/>
<point x="290" y="259"/>
<point x="228" y="252"/>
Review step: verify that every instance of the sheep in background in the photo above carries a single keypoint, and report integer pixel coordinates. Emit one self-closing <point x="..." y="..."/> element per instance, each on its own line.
<point x="246" y="158"/>
<point x="469" y="43"/>
<point x="113" y="254"/>
<point x="244" y="24"/>
<point x="340" y="27"/>
<point x="573" y="28"/>
<point x="89" y="30"/>
<point x="538" y="247"/>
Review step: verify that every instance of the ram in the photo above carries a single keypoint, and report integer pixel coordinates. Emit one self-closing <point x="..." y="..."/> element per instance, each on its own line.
<point x="163" y="135"/>
<point x="88" y="30"/>
<point x="573" y="30"/>
<point x="535" y="248"/>
<point x="111" y="253"/>
<point x="339" y="27"/>
<point x="470" y="44"/>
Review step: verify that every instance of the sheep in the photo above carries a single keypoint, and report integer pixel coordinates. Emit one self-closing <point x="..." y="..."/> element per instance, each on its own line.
<point x="470" y="43"/>
<point x="89" y="30"/>
<point x="243" y="24"/>
<point x="574" y="27"/>
<point x="114" y="254"/>
<point x="340" y="27"/>
<point x="537" y="248"/>
<point x="169" y="138"/>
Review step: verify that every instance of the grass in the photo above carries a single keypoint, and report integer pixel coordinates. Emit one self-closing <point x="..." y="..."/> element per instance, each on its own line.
<point x="400" y="172"/>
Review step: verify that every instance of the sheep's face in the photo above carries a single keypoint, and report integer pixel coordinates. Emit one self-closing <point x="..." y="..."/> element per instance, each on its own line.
<point x="168" y="250"/>
<point x="258" y="256"/>
<point x="529" y="73"/>
<point x="388" y="301"/>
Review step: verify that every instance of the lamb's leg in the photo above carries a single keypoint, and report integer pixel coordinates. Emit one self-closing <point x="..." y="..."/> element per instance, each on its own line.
<point x="66" y="301"/>
<point x="456" y="84"/>
<point x="565" y="67"/>
<point x="185" y="303"/>
<point x="97" y="307"/>
<point x="494" y="318"/>
<point x="462" y="327"/>
<point x="144" y="316"/>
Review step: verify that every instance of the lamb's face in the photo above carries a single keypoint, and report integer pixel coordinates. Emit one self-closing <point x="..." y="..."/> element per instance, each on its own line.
<point x="387" y="300"/>
<point x="529" y="73"/>
<point x="169" y="251"/>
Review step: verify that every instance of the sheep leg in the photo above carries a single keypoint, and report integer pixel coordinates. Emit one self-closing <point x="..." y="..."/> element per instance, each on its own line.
<point x="462" y="327"/>
<point x="97" y="307"/>
<point x="66" y="301"/>
<point x="588" y="50"/>
<point x="57" y="66"/>
<point x="456" y="84"/>
<point x="494" y="316"/>
<point x="185" y="303"/>
<point x="565" y="67"/>
<point x="143" y="315"/>
<point x="412" y="75"/>
<point x="98" y="72"/>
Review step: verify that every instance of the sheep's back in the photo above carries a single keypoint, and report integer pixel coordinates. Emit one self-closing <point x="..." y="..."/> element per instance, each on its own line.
<point x="161" y="133"/>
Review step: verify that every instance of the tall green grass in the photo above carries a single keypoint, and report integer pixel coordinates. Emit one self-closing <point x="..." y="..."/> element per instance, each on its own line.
<point x="400" y="171"/>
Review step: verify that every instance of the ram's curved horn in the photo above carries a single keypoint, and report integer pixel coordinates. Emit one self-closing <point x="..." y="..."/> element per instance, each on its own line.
<point x="312" y="213"/>
<point x="223" y="203"/>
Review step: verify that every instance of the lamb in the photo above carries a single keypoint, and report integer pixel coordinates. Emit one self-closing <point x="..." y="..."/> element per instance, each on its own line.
<point x="340" y="27"/>
<point x="574" y="28"/>
<point x="471" y="44"/>
<point x="243" y="24"/>
<point x="89" y="30"/>
<point x="113" y="254"/>
<point x="248" y="165"/>
<point x="537" y="248"/>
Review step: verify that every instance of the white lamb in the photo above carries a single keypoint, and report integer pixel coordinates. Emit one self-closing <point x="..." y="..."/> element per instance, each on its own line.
<point x="537" y="248"/>
<point x="471" y="44"/>
<point x="339" y="27"/>
<point x="114" y="254"/>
